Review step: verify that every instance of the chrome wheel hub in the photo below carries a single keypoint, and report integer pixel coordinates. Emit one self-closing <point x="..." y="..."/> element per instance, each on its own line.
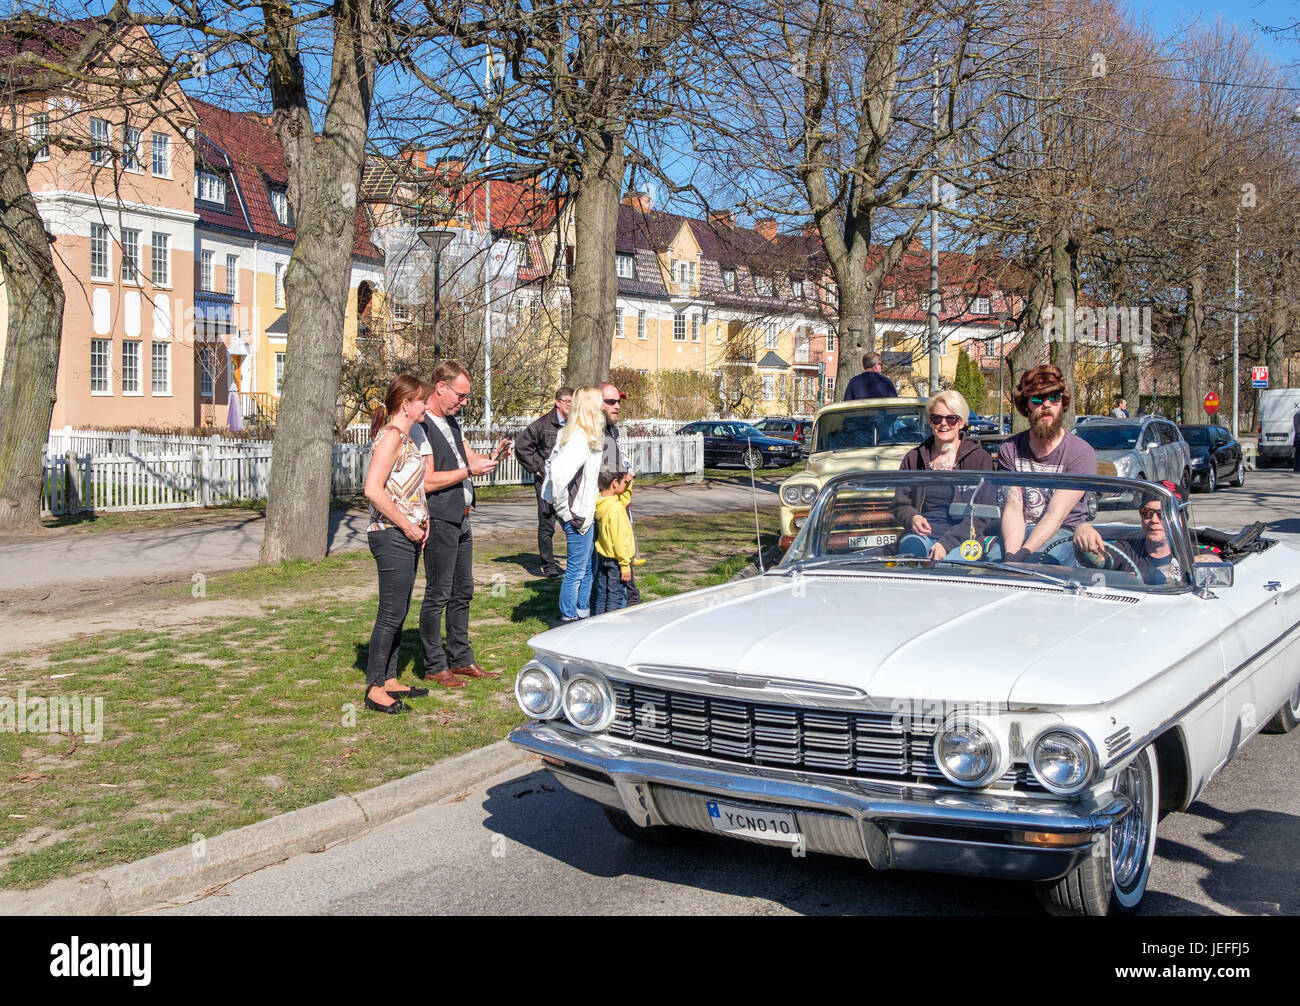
<point x="1130" y="838"/>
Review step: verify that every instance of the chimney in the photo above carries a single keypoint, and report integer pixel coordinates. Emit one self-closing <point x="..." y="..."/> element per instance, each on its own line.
<point x="721" y="218"/>
<point x="417" y="156"/>
<point x="639" y="201"/>
<point x="766" y="228"/>
<point x="915" y="247"/>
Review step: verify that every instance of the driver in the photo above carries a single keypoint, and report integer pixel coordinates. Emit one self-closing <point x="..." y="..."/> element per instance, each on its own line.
<point x="1151" y="554"/>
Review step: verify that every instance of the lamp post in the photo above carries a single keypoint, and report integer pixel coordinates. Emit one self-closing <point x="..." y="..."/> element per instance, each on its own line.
<point x="1002" y="317"/>
<point x="437" y="238"/>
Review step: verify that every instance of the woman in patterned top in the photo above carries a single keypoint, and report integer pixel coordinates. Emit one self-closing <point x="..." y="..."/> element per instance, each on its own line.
<point x="399" y="525"/>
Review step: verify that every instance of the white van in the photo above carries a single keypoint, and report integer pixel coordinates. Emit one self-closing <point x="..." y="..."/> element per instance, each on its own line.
<point x="1277" y="406"/>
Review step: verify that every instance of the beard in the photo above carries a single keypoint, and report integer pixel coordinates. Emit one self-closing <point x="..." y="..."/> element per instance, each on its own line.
<point x="1046" y="427"/>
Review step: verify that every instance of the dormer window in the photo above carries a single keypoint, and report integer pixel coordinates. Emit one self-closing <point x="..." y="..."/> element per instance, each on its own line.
<point x="980" y="306"/>
<point x="626" y="266"/>
<point x="763" y="286"/>
<point x="211" y="188"/>
<point x="729" y="280"/>
<point x="796" y="288"/>
<point x="280" y="207"/>
<point x="889" y="299"/>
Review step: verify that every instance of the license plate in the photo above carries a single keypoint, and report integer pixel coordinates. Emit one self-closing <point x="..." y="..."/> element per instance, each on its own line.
<point x="747" y="822"/>
<point x="872" y="540"/>
<point x="1274" y="437"/>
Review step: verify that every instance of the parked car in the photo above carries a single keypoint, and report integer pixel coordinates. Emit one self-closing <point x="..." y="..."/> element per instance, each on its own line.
<point x="787" y="428"/>
<point x="983" y="425"/>
<point x="1216" y="457"/>
<point x="1148" y="448"/>
<point x="1277" y="407"/>
<point x="730" y="442"/>
<point x="863" y="435"/>
<point x="1021" y="721"/>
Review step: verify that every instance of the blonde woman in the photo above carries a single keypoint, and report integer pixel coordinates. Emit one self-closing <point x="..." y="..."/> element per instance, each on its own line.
<point x="923" y="511"/>
<point x="570" y="487"/>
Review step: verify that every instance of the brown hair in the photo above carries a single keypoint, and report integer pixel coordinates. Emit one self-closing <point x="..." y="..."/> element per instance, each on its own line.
<point x="1041" y="380"/>
<point x="402" y="388"/>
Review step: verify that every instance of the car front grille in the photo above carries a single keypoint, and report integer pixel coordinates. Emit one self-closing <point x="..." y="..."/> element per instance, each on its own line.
<point x="869" y="745"/>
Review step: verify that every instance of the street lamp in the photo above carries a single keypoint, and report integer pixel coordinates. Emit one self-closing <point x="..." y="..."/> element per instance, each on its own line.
<point x="437" y="238"/>
<point x="1002" y="317"/>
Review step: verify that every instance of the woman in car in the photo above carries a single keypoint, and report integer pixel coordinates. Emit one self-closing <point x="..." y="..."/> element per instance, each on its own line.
<point x="929" y="529"/>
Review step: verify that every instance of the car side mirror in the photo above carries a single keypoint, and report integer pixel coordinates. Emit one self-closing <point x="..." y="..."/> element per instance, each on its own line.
<point x="1211" y="574"/>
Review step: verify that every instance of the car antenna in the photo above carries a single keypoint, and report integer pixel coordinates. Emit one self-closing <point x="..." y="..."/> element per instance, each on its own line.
<point x="753" y="492"/>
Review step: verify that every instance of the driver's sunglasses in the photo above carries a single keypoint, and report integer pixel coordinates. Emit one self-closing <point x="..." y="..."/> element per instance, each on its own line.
<point x="945" y="420"/>
<point x="612" y="401"/>
<point x="1147" y="512"/>
<point x="1054" y="398"/>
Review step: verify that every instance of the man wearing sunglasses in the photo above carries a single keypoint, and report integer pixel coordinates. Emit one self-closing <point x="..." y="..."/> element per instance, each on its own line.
<point x="449" y="468"/>
<point x="1151" y="554"/>
<point x="613" y="460"/>
<point x="1036" y="521"/>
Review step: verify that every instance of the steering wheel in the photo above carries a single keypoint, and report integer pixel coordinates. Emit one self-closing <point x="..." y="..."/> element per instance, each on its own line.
<point x="1125" y="556"/>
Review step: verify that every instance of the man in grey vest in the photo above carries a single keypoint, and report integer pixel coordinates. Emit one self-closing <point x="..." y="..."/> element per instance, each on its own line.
<point x="614" y="460"/>
<point x="449" y="467"/>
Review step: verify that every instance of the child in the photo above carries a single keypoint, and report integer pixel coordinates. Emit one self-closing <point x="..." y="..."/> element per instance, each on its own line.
<point x="615" y="545"/>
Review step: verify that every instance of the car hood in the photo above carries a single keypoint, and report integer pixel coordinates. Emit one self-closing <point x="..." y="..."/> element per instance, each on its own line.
<point x="889" y="636"/>
<point x="864" y="459"/>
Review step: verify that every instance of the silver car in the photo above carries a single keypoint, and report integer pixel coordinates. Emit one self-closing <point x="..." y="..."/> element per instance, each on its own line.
<point x="1148" y="448"/>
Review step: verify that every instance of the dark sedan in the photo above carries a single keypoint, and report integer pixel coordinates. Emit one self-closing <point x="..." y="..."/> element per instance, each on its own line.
<point x="728" y="442"/>
<point x="1216" y="457"/>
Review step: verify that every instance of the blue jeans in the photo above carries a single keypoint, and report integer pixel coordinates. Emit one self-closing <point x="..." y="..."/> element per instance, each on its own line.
<point x="610" y="593"/>
<point x="575" y="590"/>
<point x="1057" y="551"/>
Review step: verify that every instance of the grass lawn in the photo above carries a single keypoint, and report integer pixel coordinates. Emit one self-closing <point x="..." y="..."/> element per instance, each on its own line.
<point x="237" y="719"/>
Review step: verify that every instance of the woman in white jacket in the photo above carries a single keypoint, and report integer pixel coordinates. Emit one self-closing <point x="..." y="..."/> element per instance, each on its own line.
<point x="570" y="487"/>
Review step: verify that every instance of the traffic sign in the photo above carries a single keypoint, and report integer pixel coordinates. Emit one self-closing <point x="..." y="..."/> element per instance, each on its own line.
<point x="1259" y="377"/>
<point x="1211" y="404"/>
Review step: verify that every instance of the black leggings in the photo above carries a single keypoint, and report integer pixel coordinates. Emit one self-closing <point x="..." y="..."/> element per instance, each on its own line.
<point x="398" y="559"/>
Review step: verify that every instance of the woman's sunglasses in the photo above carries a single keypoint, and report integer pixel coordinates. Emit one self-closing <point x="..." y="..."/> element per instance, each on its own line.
<point x="945" y="420"/>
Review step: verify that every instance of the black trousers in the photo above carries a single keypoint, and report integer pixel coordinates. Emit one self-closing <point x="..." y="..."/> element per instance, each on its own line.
<point x="546" y="521"/>
<point x="609" y="592"/>
<point x="398" y="559"/>
<point x="449" y="587"/>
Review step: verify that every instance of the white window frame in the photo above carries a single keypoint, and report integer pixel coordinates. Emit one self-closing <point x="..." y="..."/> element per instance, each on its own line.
<point x="980" y="305"/>
<point x="729" y="280"/>
<point x="101" y="149"/>
<point x="679" y="326"/>
<point x="232" y="276"/>
<point x="279" y="288"/>
<point x="131" y="150"/>
<point x="280" y="206"/>
<point x="625" y="266"/>
<point x="102" y="385"/>
<point x="211" y="188"/>
<point x="830" y="340"/>
<point x="160" y="265"/>
<point x="769" y="387"/>
<point x="889" y="300"/>
<point x="796" y="289"/>
<point x="40" y="132"/>
<point x="131" y="368"/>
<point x="160" y="151"/>
<point x="695" y="328"/>
<point x="771" y="337"/>
<point x="279" y="374"/>
<point x="102" y="236"/>
<point x="161" y="353"/>
<point x="401" y="309"/>
<point x="130" y="256"/>
<point x="763" y="286"/>
<point x="207" y="374"/>
<point x="206" y="275"/>
<point x="640" y="326"/>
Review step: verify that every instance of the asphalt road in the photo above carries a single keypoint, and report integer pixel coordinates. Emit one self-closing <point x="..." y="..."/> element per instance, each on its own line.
<point x="520" y="844"/>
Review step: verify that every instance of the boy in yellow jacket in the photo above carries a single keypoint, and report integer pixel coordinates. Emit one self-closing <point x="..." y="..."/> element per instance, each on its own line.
<point x="615" y="545"/>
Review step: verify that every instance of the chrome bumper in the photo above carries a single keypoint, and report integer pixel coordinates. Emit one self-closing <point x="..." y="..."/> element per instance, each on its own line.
<point x="892" y="826"/>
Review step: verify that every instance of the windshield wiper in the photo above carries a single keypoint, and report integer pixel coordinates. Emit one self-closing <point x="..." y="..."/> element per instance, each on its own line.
<point x="864" y="560"/>
<point x="1074" y="586"/>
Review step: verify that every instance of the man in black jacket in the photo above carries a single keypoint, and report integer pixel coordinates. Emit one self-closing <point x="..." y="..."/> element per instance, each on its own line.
<point x="532" y="447"/>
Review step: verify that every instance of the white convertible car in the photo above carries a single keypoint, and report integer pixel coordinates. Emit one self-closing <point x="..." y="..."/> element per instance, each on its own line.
<point x="957" y="712"/>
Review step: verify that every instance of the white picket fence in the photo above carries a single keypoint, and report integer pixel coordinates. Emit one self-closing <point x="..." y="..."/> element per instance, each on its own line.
<point x="231" y="471"/>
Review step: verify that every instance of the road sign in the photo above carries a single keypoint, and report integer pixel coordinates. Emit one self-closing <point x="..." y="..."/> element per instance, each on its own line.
<point x="1211" y="404"/>
<point x="1259" y="377"/>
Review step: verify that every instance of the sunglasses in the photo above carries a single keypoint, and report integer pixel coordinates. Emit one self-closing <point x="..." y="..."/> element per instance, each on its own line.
<point x="1054" y="398"/>
<point x="459" y="396"/>
<point x="1147" y="512"/>
<point x="612" y="401"/>
<point x="945" y="420"/>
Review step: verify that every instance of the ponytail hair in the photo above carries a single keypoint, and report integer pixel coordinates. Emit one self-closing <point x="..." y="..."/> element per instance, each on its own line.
<point x="401" y="389"/>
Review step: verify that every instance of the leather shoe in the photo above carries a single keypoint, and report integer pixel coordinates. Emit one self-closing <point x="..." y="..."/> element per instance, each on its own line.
<point x="392" y="709"/>
<point x="474" y="671"/>
<point x="446" y="679"/>
<point x="409" y="693"/>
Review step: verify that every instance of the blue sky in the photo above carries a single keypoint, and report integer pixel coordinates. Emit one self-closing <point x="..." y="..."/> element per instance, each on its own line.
<point x="1168" y="16"/>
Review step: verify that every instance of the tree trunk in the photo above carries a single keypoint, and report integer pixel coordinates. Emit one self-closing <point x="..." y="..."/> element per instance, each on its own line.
<point x="594" y="285"/>
<point x="35" y="327"/>
<point x="857" y="333"/>
<point x="324" y="178"/>
<point x="1130" y="364"/>
<point x="1064" y="350"/>
<point x="1189" y="371"/>
<point x="1028" y="352"/>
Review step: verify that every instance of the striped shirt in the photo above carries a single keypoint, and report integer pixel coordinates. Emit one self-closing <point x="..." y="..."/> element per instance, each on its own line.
<point x="405" y="485"/>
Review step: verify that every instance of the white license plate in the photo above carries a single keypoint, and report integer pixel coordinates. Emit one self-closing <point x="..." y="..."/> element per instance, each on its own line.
<point x="746" y="822"/>
<point x="1274" y="437"/>
<point x="872" y="540"/>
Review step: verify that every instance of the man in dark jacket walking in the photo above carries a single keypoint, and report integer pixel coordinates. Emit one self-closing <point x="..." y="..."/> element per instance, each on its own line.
<point x="871" y="383"/>
<point x="532" y="447"/>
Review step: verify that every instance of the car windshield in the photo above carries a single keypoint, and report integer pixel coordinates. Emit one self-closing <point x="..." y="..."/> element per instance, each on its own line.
<point x="1197" y="436"/>
<point x="743" y="430"/>
<point x="982" y="526"/>
<point x="1109" y="438"/>
<point x="850" y="430"/>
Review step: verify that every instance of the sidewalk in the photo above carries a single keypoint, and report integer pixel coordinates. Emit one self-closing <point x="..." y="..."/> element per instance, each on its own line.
<point x="175" y="553"/>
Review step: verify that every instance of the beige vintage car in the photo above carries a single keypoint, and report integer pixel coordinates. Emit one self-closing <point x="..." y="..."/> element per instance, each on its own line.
<point x="865" y="435"/>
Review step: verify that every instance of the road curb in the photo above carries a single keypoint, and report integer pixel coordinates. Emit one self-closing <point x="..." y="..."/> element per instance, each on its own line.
<point x="207" y="862"/>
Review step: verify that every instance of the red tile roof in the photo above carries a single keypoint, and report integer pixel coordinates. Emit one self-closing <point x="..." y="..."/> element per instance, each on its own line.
<point x="243" y="146"/>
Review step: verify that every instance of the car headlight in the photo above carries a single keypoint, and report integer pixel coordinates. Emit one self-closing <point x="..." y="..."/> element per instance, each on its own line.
<point x="1062" y="760"/>
<point x="796" y="494"/>
<point x="808" y="494"/>
<point x="790" y="495"/>
<point x="588" y="702"/>
<point x="537" y="690"/>
<point x="967" y="753"/>
<point x="1200" y="462"/>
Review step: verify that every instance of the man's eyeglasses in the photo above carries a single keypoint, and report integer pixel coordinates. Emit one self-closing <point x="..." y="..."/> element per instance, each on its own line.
<point x="1147" y="512"/>
<point x="945" y="420"/>
<point x="612" y="401"/>
<point x="459" y="396"/>
<point x="1054" y="398"/>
